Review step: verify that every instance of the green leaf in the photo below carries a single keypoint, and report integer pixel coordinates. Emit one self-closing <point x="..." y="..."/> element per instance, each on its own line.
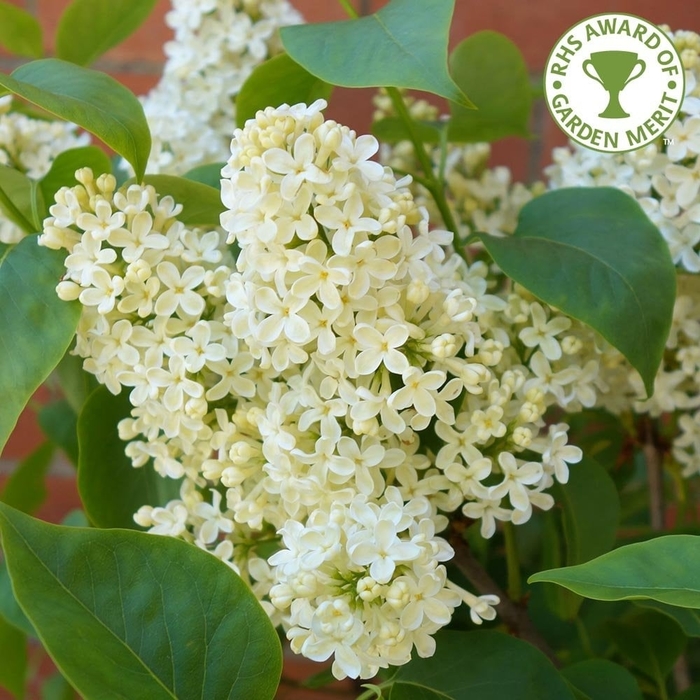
<point x="470" y="665"/>
<point x="59" y="423"/>
<point x="89" y="28"/>
<point x="651" y="641"/>
<point x="111" y="489"/>
<point x="26" y="488"/>
<point x="601" y="679"/>
<point x="201" y="204"/>
<point x="393" y="129"/>
<point x="600" y="434"/>
<point x="90" y="99"/>
<point x="590" y="516"/>
<point x="688" y="620"/>
<point x="666" y="569"/>
<point x="56" y="687"/>
<point x="149" y="617"/>
<point x="9" y="607"/>
<point x="76" y="384"/>
<point x="16" y="198"/>
<point x="591" y="511"/>
<point x="277" y="81"/>
<point x="37" y="326"/>
<point x="489" y="68"/>
<point x="13" y="652"/>
<point x="20" y="32"/>
<point x="693" y="693"/>
<point x="206" y="174"/>
<point x="408" y="41"/>
<point x="62" y="173"/>
<point x="594" y="254"/>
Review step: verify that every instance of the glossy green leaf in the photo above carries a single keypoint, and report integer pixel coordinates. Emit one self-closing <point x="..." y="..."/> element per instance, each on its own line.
<point x="489" y="68"/>
<point x="20" y="32"/>
<point x="9" y="607"/>
<point x="16" y="198"/>
<point x="201" y="204"/>
<point x="26" y="488"/>
<point x="13" y="659"/>
<point x="89" y="28"/>
<point x="408" y="42"/>
<point x="594" y="254"/>
<point x="688" y="620"/>
<point x="279" y="80"/>
<point x="111" y="489"/>
<point x="59" y="423"/>
<point x="207" y="175"/>
<point x="651" y="641"/>
<point x="666" y="569"/>
<point x="469" y="665"/>
<point x="62" y="172"/>
<point x="601" y="679"/>
<point x="37" y="326"/>
<point x="149" y="617"/>
<point x="90" y="99"/>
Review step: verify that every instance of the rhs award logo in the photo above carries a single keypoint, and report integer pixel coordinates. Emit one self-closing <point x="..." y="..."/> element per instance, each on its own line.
<point x="614" y="82"/>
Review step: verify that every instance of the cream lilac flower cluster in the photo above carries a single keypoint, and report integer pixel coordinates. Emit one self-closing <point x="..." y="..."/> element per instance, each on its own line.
<point x="216" y="46"/>
<point x="665" y="180"/>
<point x="332" y="395"/>
<point x="30" y="145"/>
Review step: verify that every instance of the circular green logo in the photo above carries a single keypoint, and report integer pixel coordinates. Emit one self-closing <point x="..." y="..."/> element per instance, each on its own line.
<point x="614" y="82"/>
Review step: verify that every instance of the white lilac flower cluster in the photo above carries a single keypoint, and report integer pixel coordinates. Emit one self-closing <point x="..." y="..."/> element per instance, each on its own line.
<point x="665" y="180"/>
<point x="331" y="396"/>
<point x="217" y="44"/>
<point x="30" y="145"/>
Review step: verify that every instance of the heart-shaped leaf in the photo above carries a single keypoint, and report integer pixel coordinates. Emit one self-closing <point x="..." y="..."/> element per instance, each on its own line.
<point x="62" y="172"/>
<point x="20" y="32"/>
<point x="469" y="665"/>
<point x="206" y="174"/>
<point x="89" y="28"/>
<point x="149" y="617"/>
<point x="111" y="489"/>
<point x="489" y="68"/>
<point x="201" y="204"/>
<point x="37" y="326"/>
<point x="403" y="45"/>
<point x="277" y="81"/>
<point x="594" y="254"/>
<point x="90" y="99"/>
<point x="601" y="679"/>
<point x="666" y="569"/>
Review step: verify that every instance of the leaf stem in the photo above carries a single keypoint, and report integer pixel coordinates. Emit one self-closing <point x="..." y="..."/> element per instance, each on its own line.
<point x="431" y="183"/>
<point x="515" y="589"/>
<point x="515" y="617"/>
<point x="347" y="6"/>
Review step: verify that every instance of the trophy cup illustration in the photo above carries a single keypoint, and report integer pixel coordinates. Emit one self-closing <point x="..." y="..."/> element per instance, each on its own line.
<point x="614" y="72"/>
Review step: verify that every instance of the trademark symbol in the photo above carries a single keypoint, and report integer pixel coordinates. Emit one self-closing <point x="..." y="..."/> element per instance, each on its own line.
<point x="668" y="142"/>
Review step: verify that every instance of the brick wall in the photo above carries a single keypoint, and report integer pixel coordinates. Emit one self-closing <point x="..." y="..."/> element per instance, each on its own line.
<point x="534" y="26"/>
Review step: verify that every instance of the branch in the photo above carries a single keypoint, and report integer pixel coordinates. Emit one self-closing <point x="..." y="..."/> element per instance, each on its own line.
<point x="514" y="616"/>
